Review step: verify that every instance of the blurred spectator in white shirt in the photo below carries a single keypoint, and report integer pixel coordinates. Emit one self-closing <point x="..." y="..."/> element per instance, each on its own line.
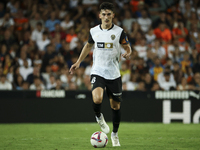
<point x="142" y="49"/>
<point x="43" y="43"/>
<point x="67" y="23"/>
<point x="144" y="21"/>
<point x="25" y="70"/>
<point x="166" y="80"/>
<point x="52" y="83"/>
<point x="4" y="84"/>
<point x="37" y="32"/>
<point x="6" y="21"/>
<point x="37" y="84"/>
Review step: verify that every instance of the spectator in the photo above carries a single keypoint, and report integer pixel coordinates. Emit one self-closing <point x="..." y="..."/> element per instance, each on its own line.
<point x="18" y="83"/>
<point x="58" y="31"/>
<point x="2" y="10"/>
<point x="144" y="21"/>
<point x="70" y="35"/>
<point x="162" y="19"/>
<point x="7" y="64"/>
<point x="23" y="57"/>
<point x="36" y="73"/>
<point x="141" y="86"/>
<point x="156" y="69"/>
<point x="148" y="82"/>
<point x="142" y="49"/>
<point x="50" y="23"/>
<point x="197" y="81"/>
<point x="67" y="23"/>
<point x="7" y="22"/>
<point x="37" y="34"/>
<point x="166" y="80"/>
<point x="125" y="72"/>
<point x="196" y="67"/>
<point x="52" y="83"/>
<point x="43" y="43"/>
<point x="128" y="21"/>
<point x="37" y="84"/>
<point x="180" y="32"/>
<point x="155" y="87"/>
<point x="158" y="51"/>
<point x="194" y="35"/>
<point x="25" y="85"/>
<point x="4" y="84"/>
<point x="150" y="36"/>
<point x="183" y="86"/>
<point x="3" y="53"/>
<point x="8" y="39"/>
<point x="63" y="12"/>
<point x="35" y="20"/>
<point x="163" y="33"/>
<point x="25" y="70"/>
<point x="58" y="85"/>
<point x="186" y="62"/>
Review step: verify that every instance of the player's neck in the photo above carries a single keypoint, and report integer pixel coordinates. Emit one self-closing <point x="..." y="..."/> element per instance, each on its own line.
<point x="106" y="26"/>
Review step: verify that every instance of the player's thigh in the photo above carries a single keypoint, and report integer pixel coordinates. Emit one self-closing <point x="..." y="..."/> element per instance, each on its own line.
<point x="97" y="95"/>
<point x="98" y="86"/>
<point x="114" y="90"/>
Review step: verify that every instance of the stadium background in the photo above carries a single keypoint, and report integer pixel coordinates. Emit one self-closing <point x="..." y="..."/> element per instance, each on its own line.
<point x="41" y="39"/>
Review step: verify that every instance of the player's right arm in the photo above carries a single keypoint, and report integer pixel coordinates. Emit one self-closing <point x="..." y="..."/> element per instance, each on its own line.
<point x="85" y="51"/>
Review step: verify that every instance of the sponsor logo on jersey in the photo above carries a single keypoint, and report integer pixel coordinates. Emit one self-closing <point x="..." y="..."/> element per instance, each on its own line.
<point x="112" y="36"/>
<point x="104" y="45"/>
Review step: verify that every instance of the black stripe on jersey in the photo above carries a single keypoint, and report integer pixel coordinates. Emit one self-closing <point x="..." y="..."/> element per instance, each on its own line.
<point x="90" y="40"/>
<point x="123" y="38"/>
<point x="108" y="29"/>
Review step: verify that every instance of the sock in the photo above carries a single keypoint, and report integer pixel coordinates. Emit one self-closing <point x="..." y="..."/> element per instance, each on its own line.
<point x="97" y="108"/>
<point x="116" y="114"/>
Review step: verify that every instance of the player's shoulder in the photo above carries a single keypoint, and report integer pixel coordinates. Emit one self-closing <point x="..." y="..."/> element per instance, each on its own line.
<point x="95" y="28"/>
<point x="117" y="28"/>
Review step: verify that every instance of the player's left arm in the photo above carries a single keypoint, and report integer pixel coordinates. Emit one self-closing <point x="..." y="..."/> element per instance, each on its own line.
<point x="128" y="50"/>
<point x="125" y="44"/>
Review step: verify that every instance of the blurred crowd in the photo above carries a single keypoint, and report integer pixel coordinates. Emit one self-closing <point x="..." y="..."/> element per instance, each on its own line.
<point x="41" y="39"/>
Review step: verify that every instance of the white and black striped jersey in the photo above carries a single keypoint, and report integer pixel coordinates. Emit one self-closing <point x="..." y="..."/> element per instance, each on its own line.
<point x="107" y="50"/>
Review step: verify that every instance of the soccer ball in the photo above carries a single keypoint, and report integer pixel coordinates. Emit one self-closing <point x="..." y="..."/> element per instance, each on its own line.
<point x="99" y="139"/>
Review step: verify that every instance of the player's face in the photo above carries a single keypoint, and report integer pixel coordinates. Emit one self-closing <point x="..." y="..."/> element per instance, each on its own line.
<point x="106" y="17"/>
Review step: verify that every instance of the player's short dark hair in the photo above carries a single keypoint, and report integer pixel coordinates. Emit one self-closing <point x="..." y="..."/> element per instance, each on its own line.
<point x="107" y="5"/>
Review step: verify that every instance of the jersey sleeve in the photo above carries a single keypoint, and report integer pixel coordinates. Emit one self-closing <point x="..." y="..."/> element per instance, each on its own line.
<point x="123" y="38"/>
<point x="90" y="40"/>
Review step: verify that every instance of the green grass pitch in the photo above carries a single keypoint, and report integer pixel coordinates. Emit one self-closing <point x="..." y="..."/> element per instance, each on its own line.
<point x="76" y="136"/>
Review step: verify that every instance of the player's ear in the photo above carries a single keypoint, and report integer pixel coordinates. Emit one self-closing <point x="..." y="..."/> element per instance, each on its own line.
<point x="99" y="15"/>
<point x="113" y="15"/>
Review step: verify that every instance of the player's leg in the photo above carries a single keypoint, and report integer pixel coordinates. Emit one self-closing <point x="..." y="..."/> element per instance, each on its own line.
<point x="97" y="95"/>
<point x="116" y="114"/>
<point x="116" y="117"/>
<point x="114" y="91"/>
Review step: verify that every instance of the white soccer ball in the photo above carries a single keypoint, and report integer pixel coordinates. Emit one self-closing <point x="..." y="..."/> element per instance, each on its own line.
<point x="99" y="139"/>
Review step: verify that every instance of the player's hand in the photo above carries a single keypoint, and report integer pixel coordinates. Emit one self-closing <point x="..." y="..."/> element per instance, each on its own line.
<point x="126" y="55"/>
<point x="74" y="67"/>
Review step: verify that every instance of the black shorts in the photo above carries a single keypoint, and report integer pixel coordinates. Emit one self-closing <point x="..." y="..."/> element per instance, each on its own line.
<point x="113" y="87"/>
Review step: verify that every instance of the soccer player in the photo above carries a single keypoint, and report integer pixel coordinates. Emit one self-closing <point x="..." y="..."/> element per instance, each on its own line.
<point x="107" y="39"/>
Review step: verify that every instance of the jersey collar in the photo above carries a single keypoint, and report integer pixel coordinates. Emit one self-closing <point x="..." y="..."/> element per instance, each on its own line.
<point x="108" y="29"/>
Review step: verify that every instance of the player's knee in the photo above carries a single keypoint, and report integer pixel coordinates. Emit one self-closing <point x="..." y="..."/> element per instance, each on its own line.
<point x="115" y="107"/>
<point x="97" y="99"/>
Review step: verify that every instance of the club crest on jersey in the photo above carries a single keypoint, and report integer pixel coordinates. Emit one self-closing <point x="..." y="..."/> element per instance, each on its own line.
<point x="112" y="36"/>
